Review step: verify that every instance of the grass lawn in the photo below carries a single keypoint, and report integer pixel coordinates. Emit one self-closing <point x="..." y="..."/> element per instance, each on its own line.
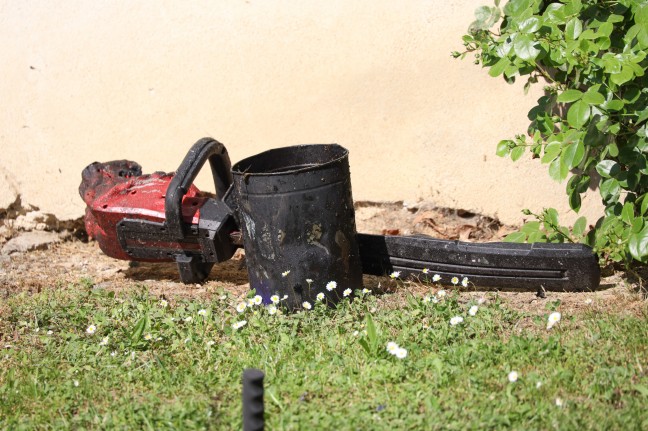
<point x="81" y="357"/>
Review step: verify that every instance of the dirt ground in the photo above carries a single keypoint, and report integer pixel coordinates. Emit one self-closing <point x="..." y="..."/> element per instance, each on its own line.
<point x="69" y="261"/>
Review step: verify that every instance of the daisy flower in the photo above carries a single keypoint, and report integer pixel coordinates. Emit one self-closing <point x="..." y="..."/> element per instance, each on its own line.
<point x="392" y="347"/>
<point x="331" y="285"/>
<point x="425" y="271"/>
<point x="346" y="292"/>
<point x="210" y="343"/>
<point x="188" y="319"/>
<point x="240" y="324"/>
<point x="258" y="300"/>
<point x="320" y="296"/>
<point x="285" y="273"/>
<point x="148" y="337"/>
<point x="202" y="312"/>
<point x="307" y="305"/>
<point x="274" y="299"/>
<point x="241" y="307"/>
<point x="441" y="293"/>
<point x="454" y="280"/>
<point x="512" y="376"/>
<point x="553" y="319"/>
<point x="436" y="277"/>
<point x="164" y="303"/>
<point x="400" y="353"/>
<point x="104" y="341"/>
<point x="559" y="402"/>
<point x="427" y="299"/>
<point x="473" y="310"/>
<point x="464" y="282"/>
<point x="456" y="320"/>
<point x="91" y="329"/>
<point x="395" y="274"/>
<point x="272" y="309"/>
<point x="366" y="291"/>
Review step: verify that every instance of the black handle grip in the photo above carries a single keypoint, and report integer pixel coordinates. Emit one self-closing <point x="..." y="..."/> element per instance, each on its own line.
<point x="203" y="150"/>
<point x="253" y="409"/>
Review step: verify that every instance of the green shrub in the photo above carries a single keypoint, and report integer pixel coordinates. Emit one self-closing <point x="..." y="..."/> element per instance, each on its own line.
<point x="590" y="126"/>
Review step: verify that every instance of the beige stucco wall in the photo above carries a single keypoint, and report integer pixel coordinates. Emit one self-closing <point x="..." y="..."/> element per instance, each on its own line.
<point x="103" y="80"/>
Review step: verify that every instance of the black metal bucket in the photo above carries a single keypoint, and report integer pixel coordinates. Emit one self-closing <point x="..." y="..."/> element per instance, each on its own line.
<point x="295" y="210"/>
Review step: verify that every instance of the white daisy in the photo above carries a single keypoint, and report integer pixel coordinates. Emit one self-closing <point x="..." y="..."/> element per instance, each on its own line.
<point x="400" y="353"/>
<point x="331" y="285"/>
<point x="239" y="324"/>
<point x="512" y="376"/>
<point x="456" y="320"/>
<point x="553" y="319"/>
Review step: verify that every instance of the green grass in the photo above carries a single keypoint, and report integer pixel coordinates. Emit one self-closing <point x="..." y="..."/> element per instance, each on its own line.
<point x="319" y="373"/>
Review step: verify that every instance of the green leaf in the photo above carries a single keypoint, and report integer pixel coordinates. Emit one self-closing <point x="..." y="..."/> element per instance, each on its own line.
<point x="593" y="97"/>
<point x="572" y="154"/>
<point x="579" y="226"/>
<point x="498" y="68"/>
<point x="555" y="12"/>
<point x="609" y="190"/>
<point x="517" y="8"/>
<point x="644" y="204"/>
<point x="138" y="330"/>
<point x="578" y="114"/>
<point x="568" y="96"/>
<point x="551" y="151"/>
<point x="623" y="76"/>
<point x="556" y="170"/>
<point x="504" y="147"/>
<point x="372" y="333"/>
<point x="614" y="105"/>
<point x="530" y="25"/>
<point x="551" y="216"/>
<point x="486" y="17"/>
<point x="641" y="14"/>
<point x="531" y="226"/>
<point x="605" y="29"/>
<point x="524" y="47"/>
<point x="365" y="346"/>
<point x="638" y="244"/>
<point x="575" y="201"/>
<point x="573" y="29"/>
<point x="516" y="153"/>
<point x="515" y="237"/>
<point x="608" y="168"/>
<point x="627" y="213"/>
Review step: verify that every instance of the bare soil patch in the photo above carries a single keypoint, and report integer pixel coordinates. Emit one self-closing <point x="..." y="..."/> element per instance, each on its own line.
<point x="70" y="261"/>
